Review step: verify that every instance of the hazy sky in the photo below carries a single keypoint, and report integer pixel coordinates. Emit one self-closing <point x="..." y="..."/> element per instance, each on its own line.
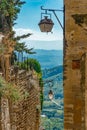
<point x="29" y="18"/>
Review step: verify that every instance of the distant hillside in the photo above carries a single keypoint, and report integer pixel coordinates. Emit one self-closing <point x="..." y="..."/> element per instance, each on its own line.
<point x="54" y="113"/>
<point x="48" y="58"/>
<point x="52" y="71"/>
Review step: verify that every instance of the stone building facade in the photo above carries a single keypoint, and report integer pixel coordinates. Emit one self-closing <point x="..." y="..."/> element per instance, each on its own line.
<point x="75" y="65"/>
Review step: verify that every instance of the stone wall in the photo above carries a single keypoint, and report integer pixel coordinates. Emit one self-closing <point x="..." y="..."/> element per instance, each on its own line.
<point x="75" y="49"/>
<point x="25" y="113"/>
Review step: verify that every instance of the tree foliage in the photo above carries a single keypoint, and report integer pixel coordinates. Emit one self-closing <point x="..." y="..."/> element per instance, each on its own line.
<point x="21" y="47"/>
<point x="33" y="64"/>
<point x="9" y="10"/>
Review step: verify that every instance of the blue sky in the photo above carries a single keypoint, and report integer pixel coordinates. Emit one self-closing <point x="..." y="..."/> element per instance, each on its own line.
<point x="29" y="18"/>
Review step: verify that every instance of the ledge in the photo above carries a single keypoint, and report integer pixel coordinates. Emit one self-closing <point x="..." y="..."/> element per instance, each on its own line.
<point x="81" y="20"/>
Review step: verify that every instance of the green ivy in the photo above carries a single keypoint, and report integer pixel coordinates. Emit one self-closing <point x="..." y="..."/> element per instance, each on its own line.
<point x="10" y="9"/>
<point x="9" y="90"/>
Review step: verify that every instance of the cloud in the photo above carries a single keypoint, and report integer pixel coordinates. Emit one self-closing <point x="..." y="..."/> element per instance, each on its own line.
<point x="39" y="36"/>
<point x="40" y="40"/>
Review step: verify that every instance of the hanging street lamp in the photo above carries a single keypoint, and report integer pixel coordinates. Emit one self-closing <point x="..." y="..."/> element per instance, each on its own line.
<point x="50" y="95"/>
<point x="46" y="24"/>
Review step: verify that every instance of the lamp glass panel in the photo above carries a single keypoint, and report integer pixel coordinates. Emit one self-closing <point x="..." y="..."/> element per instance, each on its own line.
<point x="46" y="27"/>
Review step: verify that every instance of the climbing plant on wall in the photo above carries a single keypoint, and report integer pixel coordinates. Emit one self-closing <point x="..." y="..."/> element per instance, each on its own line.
<point x="9" y="90"/>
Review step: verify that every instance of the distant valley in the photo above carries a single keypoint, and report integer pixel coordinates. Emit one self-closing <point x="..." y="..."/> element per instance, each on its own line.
<point x="53" y="79"/>
<point x="48" y="58"/>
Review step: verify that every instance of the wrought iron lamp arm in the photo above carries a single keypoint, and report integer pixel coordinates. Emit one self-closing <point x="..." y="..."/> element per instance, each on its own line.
<point x="51" y="9"/>
<point x="58" y="20"/>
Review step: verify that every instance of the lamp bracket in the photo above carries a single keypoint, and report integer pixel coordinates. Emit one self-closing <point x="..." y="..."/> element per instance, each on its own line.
<point x="51" y="9"/>
<point x="47" y="14"/>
